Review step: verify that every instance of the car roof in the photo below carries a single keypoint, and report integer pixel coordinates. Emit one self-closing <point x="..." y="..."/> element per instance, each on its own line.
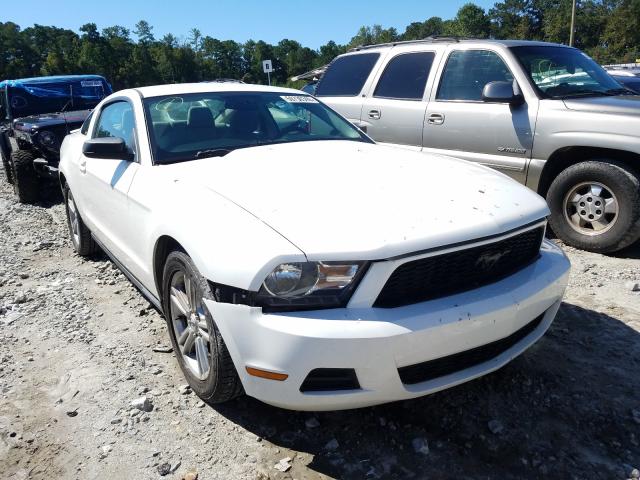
<point x="462" y="41"/>
<point x="185" y="88"/>
<point x="50" y="79"/>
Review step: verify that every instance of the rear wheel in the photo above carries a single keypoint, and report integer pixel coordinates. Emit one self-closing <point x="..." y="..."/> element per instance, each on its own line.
<point x="197" y="342"/>
<point x="6" y="163"/>
<point x="25" y="180"/>
<point x="81" y="238"/>
<point x="595" y="206"/>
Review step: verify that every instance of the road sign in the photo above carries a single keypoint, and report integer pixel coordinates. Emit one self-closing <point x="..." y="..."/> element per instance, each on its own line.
<point x="267" y="67"/>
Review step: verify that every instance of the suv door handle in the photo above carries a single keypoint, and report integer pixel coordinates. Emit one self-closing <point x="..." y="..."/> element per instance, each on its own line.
<point x="435" y="119"/>
<point x="375" y="114"/>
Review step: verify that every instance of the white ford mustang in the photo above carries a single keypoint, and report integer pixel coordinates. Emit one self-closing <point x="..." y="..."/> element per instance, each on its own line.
<point x="299" y="262"/>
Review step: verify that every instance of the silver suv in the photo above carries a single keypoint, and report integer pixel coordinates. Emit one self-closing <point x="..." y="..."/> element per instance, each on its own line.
<point x="544" y="114"/>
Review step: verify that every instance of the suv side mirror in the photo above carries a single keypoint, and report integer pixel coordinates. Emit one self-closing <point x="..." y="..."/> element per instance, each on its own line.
<point x="502" y="92"/>
<point x="113" y="148"/>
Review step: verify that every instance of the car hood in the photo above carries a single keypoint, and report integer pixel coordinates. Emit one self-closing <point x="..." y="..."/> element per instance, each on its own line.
<point x="338" y="200"/>
<point x="51" y="119"/>
<point x="622" y="105"/>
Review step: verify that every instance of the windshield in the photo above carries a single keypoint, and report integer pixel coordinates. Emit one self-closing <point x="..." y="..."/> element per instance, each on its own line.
<point x="198" y="125"/>
<point x="38" y="98"/>
<point x="561" y="72"/>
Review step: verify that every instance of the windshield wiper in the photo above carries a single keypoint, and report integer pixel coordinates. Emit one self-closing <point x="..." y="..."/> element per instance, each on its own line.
<point x="584" y="93"/>
<point x="620" y="91"/>
<point x="213" y="152"/>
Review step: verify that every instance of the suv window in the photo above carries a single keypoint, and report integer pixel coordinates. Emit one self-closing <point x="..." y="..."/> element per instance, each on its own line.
<point x="405" y="76"/>
<point x="468" y="71"/>
<point x="116" y="120"/>
<point x="345" y="77"/>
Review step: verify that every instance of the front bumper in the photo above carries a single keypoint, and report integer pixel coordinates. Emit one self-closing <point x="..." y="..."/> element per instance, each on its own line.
<point x="376" y="342"/>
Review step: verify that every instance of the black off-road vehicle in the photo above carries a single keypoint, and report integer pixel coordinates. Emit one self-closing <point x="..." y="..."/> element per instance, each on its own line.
<point x="35" y="116"/>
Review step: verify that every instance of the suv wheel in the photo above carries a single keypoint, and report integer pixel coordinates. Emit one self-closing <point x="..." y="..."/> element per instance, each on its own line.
<point x="7" y="166"/>
<point x="595" y="206"/>
<point x="25" y="179"/>
<point x="199" y="347"/>
<point x="81" y="238"/>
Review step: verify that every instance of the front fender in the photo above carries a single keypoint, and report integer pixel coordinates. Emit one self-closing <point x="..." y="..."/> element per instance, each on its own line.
<point x="227" y="244"/>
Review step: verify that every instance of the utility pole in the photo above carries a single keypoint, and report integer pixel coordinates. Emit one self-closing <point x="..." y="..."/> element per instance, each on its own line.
<point x="573" y="23"/>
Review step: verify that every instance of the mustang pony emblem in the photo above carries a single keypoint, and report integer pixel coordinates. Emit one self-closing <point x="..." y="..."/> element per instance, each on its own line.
<point x="489" y="260"/>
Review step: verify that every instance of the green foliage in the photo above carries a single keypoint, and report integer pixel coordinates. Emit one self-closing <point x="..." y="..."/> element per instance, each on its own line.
<point x="608" y="30"/>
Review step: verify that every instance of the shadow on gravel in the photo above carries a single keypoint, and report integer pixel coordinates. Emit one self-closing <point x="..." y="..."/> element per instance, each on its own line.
<point x="567" y="408"/>
<point x="632" y="251"/>
<point x="50" y="194"/>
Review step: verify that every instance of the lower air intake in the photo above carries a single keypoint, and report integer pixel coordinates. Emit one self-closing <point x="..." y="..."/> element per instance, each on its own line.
<point x="432" y="369"/>
<point x="329" y="379"/>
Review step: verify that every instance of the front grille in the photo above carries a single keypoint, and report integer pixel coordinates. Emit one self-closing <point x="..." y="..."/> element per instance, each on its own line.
<point x="329" y="379"/>
<point x="432" y="369"/>
<point x="459" y="271"/>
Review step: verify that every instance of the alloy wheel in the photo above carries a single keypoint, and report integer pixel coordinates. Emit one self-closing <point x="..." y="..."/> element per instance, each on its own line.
<point x="74" y="221"/>
<point x="189" y="324"/>
<point x="591" y="208"/>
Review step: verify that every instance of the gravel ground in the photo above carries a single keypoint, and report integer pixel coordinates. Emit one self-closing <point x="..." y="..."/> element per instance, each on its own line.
<point x="88" y="389"/>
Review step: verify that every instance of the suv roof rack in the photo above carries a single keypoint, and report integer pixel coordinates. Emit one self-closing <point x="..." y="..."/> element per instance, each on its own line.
<point x="429" y="39"/>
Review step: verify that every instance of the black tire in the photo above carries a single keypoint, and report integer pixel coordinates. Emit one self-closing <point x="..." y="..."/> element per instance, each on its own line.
<point x="81" y="239"/>
<point x="7" y="166"/>
<point x="25" y="180"/>
<point x="622" y="182"/>
<point x="222" y="382"/>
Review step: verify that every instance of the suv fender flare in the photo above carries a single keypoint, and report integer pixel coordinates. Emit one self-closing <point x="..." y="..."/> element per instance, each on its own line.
<point x="541" y="173"/>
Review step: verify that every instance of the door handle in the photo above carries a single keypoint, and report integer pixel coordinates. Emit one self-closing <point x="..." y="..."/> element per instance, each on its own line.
<point x="83" y="166"/>
<point x="435" y="119"/>
<point x="375" y="114"/>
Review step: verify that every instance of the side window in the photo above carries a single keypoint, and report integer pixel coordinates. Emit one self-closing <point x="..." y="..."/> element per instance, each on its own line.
<point x="468" y="71"/>
<point x="116" y="120"/>
<point x="85" y="126"/>
<point x="405" y="76"/>
<point x="345" y="77"/>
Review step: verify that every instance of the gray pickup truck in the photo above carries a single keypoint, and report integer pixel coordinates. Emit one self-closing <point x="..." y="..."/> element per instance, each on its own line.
<point x="545" y="114"/>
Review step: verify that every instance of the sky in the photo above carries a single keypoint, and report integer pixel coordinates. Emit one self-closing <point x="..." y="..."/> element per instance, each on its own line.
<point x="312" y="23"/>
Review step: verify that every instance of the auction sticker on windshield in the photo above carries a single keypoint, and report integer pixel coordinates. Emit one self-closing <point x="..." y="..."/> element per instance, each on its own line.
<point x="91" y="83"/>
<point x="298" y="99"/>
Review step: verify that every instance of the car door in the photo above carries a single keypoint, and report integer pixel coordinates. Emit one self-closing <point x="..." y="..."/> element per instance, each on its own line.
<point x="460" y="124"/>
<point x="105" y="183"/>
<point x="393" y="110"/>
<point x="344" y="81"/>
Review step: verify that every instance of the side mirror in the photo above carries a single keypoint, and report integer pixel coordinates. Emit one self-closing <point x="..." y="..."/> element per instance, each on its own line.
<point x="112" y="148"/>
<point x="502" y="92"/>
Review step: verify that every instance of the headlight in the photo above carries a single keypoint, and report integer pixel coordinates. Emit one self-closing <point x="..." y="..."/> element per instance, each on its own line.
<point x="47" y="138"/>
<point x="310" y="285"/>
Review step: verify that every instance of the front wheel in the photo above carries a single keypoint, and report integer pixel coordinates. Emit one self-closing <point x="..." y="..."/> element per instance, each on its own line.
<point x="197" y="342"/>
<point x="25" y="180"/>
<point x="595" y="206"/>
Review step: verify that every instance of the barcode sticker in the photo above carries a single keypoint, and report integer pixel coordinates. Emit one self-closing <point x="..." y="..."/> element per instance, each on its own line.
<point x="298" y="99"/>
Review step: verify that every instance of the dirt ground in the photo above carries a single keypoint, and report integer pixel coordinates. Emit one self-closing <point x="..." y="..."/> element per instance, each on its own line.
<point x="78" y="344"/>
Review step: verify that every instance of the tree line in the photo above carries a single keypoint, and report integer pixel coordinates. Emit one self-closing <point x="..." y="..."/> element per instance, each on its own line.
<point x="608" y="30"/>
